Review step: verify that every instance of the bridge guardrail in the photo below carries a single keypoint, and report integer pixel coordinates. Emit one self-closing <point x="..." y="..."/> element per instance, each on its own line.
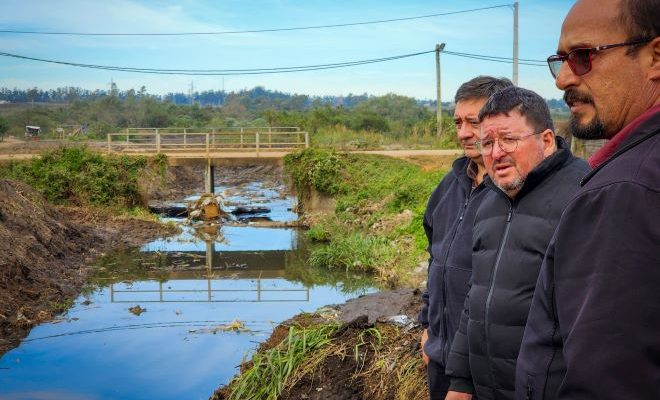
<point x="163" y="140"/>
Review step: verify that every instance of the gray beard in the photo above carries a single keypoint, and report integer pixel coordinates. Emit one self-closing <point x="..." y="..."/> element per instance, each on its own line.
<point x="516" y="185"/>
<point x="592" y="131"/>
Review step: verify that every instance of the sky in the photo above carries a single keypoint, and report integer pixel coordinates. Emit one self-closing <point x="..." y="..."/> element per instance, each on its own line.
<point x="486" y="32"/>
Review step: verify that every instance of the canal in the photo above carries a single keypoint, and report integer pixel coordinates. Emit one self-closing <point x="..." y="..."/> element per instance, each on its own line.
<point x="174" y="318"/>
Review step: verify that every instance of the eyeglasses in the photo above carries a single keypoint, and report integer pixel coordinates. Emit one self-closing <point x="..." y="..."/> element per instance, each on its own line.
<point x="508" y="144"/>
<point x="580" y="59"/>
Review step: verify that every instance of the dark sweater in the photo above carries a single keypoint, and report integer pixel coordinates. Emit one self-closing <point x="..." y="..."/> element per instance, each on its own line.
<point x="594" y="325"/>
<point x="448" y="225"/>
<point x="510" y="238"/>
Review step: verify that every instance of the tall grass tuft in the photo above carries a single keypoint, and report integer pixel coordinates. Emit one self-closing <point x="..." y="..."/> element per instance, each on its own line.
<point x="270" y="370"/>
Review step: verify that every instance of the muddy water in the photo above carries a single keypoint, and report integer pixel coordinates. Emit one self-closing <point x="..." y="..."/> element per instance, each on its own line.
<point x="173" y="319"/>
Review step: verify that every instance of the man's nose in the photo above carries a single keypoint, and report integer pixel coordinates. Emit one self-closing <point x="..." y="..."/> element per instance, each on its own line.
<point x="465" y="131"/>
<point x="498" y="153"/>
<point x="566" y="77"/>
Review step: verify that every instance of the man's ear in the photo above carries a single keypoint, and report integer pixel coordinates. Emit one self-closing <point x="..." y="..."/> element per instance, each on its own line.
<point x="654" y="70"/>
<point x="549" y="143"/>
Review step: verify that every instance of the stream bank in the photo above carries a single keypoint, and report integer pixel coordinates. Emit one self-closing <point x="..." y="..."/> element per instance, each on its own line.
<point x="47" y="253"/>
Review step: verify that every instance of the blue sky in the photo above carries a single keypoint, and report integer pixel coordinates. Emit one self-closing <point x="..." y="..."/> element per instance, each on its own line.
<point x="488" y="32"/>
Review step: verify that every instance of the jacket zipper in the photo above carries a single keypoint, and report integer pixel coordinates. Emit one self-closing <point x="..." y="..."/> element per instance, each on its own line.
<point x="445" y="333"/>
<point x="489" y="298"/>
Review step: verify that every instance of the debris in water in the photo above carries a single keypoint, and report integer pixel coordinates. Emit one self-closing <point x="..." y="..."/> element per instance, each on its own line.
<point x="236" y="325"/>
<point x="250" y="210"/>
<point x="137" y="310"/>
<point x="207" y="207"/>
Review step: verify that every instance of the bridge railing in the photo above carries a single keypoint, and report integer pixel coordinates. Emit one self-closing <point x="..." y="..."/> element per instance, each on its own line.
<point x="173" y="140"/>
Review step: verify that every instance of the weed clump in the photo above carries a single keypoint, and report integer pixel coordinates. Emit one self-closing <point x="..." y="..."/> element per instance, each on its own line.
<point x="78" y="176"/>
<point x="376" y="225"/>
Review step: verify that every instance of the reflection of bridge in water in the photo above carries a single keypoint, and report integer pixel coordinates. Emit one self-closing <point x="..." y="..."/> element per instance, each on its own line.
<point x="227" y="276"/>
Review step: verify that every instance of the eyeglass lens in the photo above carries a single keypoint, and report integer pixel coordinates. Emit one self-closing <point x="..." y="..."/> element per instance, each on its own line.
<point x="579" y="60"/>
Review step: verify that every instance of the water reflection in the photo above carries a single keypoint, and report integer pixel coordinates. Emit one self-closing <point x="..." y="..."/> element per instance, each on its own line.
<point x="176" y="347"/>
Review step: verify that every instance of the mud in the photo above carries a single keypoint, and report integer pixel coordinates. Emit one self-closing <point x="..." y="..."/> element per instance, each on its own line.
<point x="47" y="252"/>
<point x="361" y="365"/>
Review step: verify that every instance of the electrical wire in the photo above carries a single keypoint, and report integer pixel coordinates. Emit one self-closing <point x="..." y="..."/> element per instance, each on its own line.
<point x="276" y="70"/>
<point x="298" y="28"/>
<point x="219" y="72"/>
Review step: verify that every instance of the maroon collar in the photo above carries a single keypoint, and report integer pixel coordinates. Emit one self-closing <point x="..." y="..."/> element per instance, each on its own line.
<point x="613" y="144"/>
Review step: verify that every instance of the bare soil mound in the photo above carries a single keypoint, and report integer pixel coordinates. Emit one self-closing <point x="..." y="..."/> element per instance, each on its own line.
<point x="367" y="357"/>
<point x="46" y="253"/>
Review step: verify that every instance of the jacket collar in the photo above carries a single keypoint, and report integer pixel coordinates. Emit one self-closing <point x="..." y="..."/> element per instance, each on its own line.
<point x="645" y="129"/>
<point x="546" y="167"/>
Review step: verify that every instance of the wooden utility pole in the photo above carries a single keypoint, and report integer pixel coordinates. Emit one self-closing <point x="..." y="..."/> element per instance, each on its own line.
<point x="515" y="43"/>
<point x="438" y="108"/>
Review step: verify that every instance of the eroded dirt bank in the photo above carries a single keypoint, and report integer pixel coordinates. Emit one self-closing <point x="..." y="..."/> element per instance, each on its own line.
<point x="373" y="353"/>
<point x="46" y="253"/>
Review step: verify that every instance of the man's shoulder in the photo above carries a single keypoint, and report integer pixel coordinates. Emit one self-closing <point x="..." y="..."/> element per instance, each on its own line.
<point x="640" y="165"/>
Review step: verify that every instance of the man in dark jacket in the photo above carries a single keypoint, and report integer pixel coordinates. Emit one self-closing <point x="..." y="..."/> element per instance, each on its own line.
<point x="450" y="238"/>
<point x="532" y="176"/>
<point x="594" y="326"/>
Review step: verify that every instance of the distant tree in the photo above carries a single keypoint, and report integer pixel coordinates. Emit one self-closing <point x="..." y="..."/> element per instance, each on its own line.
<point x="4" y="127"/>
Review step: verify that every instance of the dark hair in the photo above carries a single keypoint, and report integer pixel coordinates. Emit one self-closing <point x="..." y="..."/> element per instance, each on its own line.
<point x="481" y="87"/>
<point x="640" y="19"/>
<point x="529" y="104"/>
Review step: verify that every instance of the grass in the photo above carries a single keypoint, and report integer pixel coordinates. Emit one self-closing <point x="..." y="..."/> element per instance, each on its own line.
<point x="383" y="361"/>
<point x="376" y="226"/>
<point x="81" y="177"/>
<point x="271" y="370"/>
<point x="342" y="138"/>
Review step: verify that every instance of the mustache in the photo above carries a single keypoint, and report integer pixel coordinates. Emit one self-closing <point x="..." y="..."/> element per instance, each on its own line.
<point x="572" y="96"/>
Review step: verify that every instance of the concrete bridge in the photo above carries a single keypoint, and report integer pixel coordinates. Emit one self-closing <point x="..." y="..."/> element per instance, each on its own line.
<point x="233" y="142"/>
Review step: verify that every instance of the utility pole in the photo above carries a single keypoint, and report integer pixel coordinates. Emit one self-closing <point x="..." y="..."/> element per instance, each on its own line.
<point x="192" y="88"/>
<point x="515" y="43"/>
<point x="438" y="108"/>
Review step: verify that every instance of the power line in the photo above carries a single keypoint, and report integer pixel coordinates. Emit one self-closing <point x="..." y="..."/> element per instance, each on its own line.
<point x="533" y="63"/>
<point x="218" y="72"/>
<point x="298" y="28"/>
<point x="275" y="70"/>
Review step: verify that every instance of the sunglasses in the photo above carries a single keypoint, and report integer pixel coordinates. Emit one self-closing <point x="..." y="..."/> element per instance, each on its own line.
<point x="580" y="59"/>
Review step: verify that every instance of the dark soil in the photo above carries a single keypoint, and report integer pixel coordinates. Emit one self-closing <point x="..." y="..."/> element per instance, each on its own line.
<point x="341" y="376"/>
<point x="47" y="252"/>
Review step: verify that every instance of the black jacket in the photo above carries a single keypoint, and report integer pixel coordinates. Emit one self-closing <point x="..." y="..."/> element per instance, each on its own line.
<point x="448" y="225"/>
<point x="594" y="326"/>
<point x="510" y="238"/>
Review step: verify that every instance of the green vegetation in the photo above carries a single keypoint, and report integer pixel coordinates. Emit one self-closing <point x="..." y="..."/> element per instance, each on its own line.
<point x="351" y="122"/>
<point x="378" y="361"/>
<point x="78" y="176"/>
<point x="4" y="127"/>
<point x="271" y="370"/>
<point x="377" y="222"/>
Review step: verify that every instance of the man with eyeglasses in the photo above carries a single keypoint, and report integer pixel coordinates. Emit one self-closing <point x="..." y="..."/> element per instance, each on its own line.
<point x="531" y="176"/>
<point x="448" y="227"/>
<point x="594" y="326"/>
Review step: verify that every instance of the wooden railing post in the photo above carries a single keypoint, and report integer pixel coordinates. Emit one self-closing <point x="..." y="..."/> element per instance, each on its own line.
<point x="306" y="140"/>
<point x="185" y="139"/>
<point x="109" y="146"/>
<point x="257" y="142"/>
<point x="208" y="142"/>
<point x="157" y="141"/>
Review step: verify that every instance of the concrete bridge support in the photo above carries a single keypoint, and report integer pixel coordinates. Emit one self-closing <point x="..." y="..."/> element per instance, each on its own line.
<point x="209" y="177"/>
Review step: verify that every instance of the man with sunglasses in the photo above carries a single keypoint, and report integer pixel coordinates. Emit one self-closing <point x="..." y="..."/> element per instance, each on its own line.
<point x="594" y="326"/>
<point x="531" y="176"/>
<point x="448" y="227"/>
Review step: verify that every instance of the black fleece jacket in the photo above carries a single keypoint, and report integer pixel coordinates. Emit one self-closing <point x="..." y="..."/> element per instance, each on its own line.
<point x="448" y="225"/>
<point x="594" y="325"/>
<point x="510" y="237"/>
